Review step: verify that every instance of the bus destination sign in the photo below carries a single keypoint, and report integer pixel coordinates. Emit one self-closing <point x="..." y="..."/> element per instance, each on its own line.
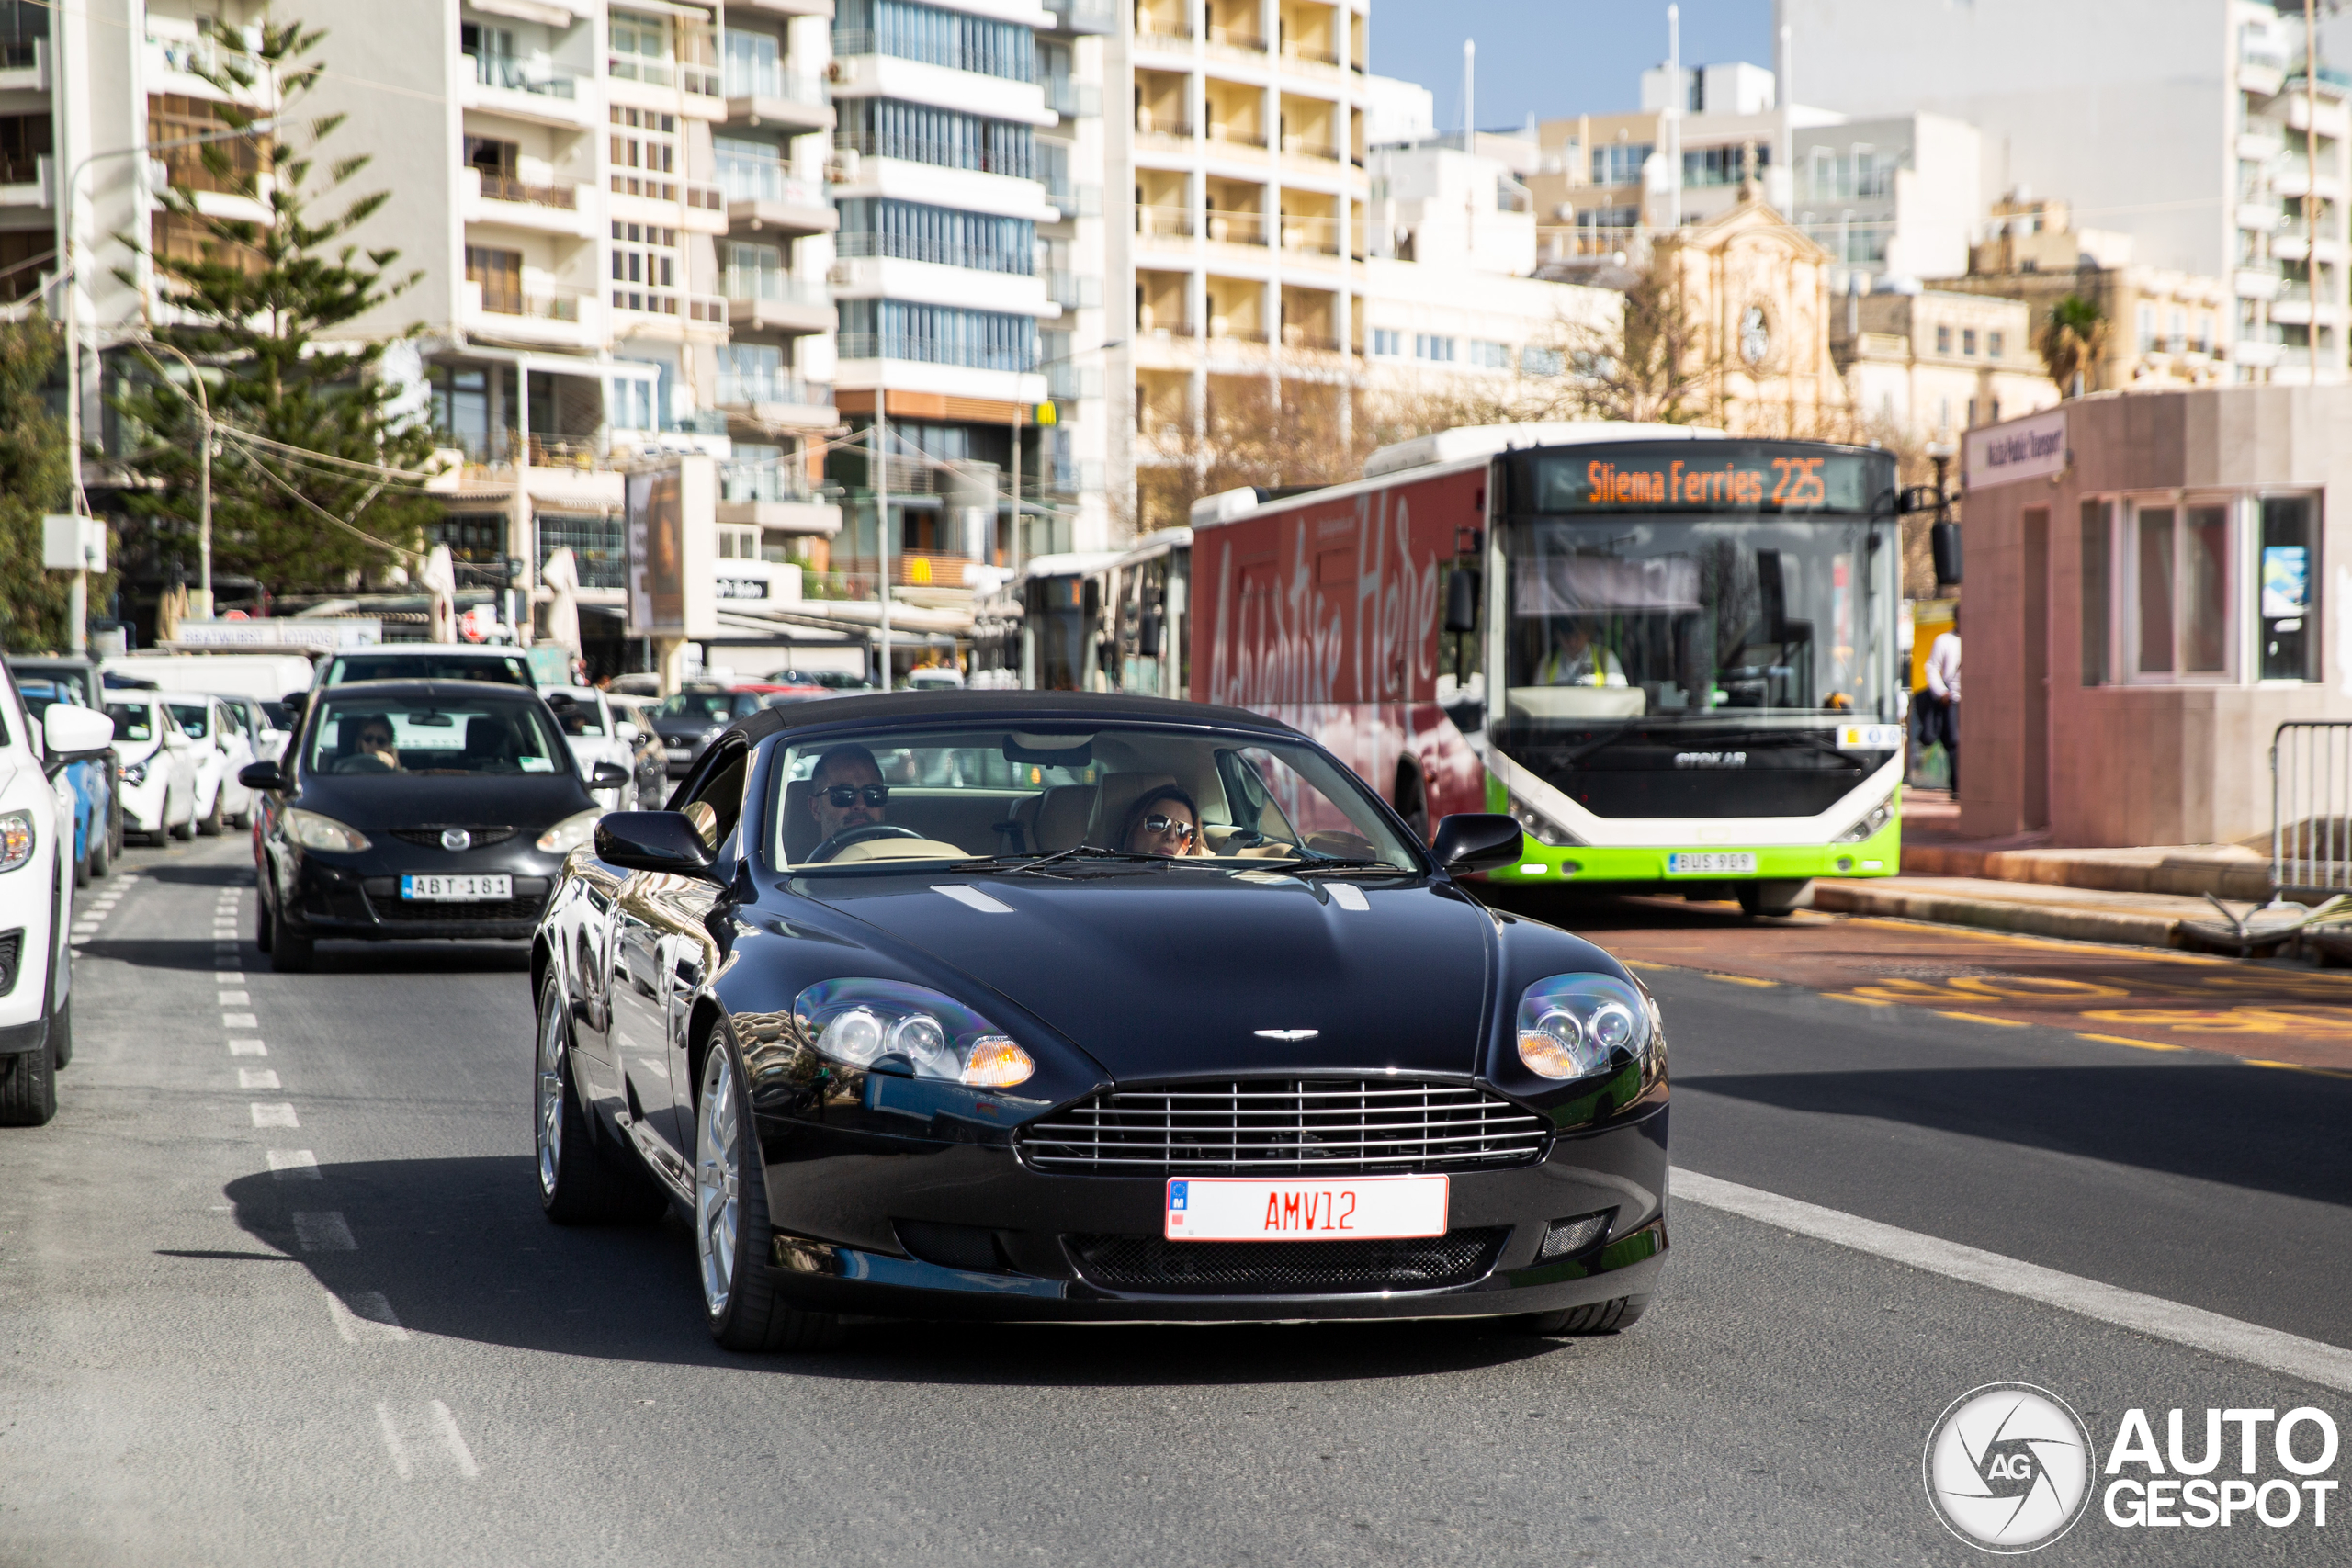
<point x="1714" y="476"/>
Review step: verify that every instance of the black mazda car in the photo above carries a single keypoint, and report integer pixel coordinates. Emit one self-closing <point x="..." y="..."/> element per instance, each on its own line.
<point x="409" y="809"/>
<point x="1051" y="1006"/>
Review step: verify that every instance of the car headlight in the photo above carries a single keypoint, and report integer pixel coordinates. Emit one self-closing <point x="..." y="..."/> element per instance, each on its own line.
<point x="1571" y="1026"/>
<point x="16" y="839"/>
<point x="313" y="832"/>
<point x="890" y="1026"/>
<point x="136" y="773"/>
<point x="570" y="833"/>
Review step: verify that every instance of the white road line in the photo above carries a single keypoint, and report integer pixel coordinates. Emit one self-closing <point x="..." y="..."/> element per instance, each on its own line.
<point x="229" y="976"/>
<point x="365" y="1317"/>
<point x="257" y="1078"/>
<point x="421" y="1435"/>
<point x="239" y="1021"/>
<point x="324" y="1232"/>
<point x="279" y="1115"/>
<point x="294" y="1164"/>
<point x="248" y="1048"/>
<point x="237" y="999"/>
<point x="2153" y="1315"/>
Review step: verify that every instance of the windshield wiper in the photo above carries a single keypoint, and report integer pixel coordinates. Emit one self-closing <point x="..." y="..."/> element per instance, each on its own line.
<point x="1315" y="867"/>
<point x="1076" y="851"/>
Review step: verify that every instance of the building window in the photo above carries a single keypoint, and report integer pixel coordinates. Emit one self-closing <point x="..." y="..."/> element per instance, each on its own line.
<point x="231" y="165"/>
<point x="640" y="49"/>
<point x="1489" y="356"/>
<point x="937" y="335"/>
<point x="1992" y="346"/>
<point x="2287" y="588"/>
<point x="1943" y="339"/>
<point x="1534" y="361"/>
<point x="645" y="267"/>
<point x="2096" y="541"/>
<point x="1387" y="342"/>
<point x="500" y="273"/>
<point x="1968" y="341"/>
<point x="1620" y="163"/>
<point x="916" y="232"/>
<point x="2181" y="590"/>
<point x="475" y="541"/>
<point x="934" y="36"/>
<point x="645" y="153"/>
<point x="2179" y="331"/>
<point x="2147" y="319"/>
<point x="885" y="128"/>
<point x="1430" y="347"/>
<point x="597" y="545"/>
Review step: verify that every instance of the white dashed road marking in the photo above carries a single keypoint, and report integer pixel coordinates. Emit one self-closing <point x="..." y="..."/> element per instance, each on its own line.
<point x="279" y="1115"/>
<point x="257" y="1078"/>
<point x="2159" y="1319"/>
<point x="248" y="1048"/>
<point x="237" y="999"/>
<point x="324" y="1233"/>
<point x="424" y="1438"/>
<point x="240" y="1021"/>
<point x="365" y="1317"/>
<point x="294" y="1164"/>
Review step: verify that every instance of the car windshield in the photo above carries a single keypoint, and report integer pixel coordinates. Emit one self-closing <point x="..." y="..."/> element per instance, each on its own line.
<point x="506" y="668"/>
<point x="714" y="707"/>
<point x="193" y="717"/>
<point x="577" y="717"/>
<point x="1234" y="803"/>
<point x="381" y="733"/>
<point x="132" y="721"/>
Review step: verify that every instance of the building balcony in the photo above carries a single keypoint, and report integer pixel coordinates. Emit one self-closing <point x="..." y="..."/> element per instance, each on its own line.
<point x="2260" y="144"/>
<point x="510" y="203"/>
<point x="1305" y="236"/>
<point x="1228" y="140"/>
<point x="637" y="308"/>
<point x="27" y="181"/>
<point x="542" y="94"/>
<point x="778" y="302"/>
<point x="1309" y="341"/>
<point x="2256" y="281"/>
<point x="1073" y="199"/>
<point x="2258" y="216"/>
<point x="695" y="206"/>
<point x="2332" y="120"/>
<point x="24" y="67"/>
<point x="776" y="511"/>
<point x="1168" y="135"/>
<point x="763" y="199"/>
<point x="1165" y="222"/>
<point x="2261" y="77"/>
<point x="1067" y="382"/>
<point x="558" y="317"/>
<point x="793" y="102"/>
<point x="1093" y="18"/>
<point x="936" y="283"/>
<point x="1234" y="228"/>
<point x="1309" y="60"/>
<point x="2293" y="244"/>
<point x="1073" y="99"/>
<point x="1074" y="290"/>
<point x="779" y="399"/>
<point x="1163" y="36"/>
<point x="1237" y="42"/>
<point x="785" y="8"/>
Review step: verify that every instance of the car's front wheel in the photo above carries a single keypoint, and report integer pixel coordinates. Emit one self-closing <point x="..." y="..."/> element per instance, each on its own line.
<point x="731" y="1234"/>
<point x="209" y="823"/>
<point x="578" y="1185"/>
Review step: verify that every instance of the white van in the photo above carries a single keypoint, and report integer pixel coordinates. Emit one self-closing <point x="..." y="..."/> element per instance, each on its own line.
<point x="36" y="896"/>
<point x="268" y="676"/>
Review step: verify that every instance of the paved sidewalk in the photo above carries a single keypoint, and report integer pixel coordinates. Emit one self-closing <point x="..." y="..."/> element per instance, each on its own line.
<point x="2032" y="909"/>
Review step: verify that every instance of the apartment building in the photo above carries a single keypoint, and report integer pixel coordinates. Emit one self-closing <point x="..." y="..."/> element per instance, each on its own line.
<point x="1243" y="143"/>
<point x="2207" y="139"/>
<point x="619" y="221"/>
<point x="939" y="182"/>
<point x="1933" y="363"/>
<point x="1891" y="195"/>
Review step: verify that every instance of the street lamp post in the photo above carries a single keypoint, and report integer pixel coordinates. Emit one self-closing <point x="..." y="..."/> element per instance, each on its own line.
<point x="77" y="608"/>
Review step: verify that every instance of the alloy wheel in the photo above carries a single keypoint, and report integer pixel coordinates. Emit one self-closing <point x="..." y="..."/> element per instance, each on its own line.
<point x="717" y="1163"/>
<point x="550" y="1119"/>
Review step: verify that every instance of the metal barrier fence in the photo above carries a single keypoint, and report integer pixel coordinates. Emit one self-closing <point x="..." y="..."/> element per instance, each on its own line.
<point x="2311" y="806"/>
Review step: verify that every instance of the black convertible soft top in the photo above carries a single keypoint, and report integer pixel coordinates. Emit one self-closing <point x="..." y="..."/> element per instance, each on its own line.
<point x="900" y="707"/>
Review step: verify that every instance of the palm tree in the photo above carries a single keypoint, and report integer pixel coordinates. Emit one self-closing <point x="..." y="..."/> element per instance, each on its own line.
<point x="2072" y="340"/>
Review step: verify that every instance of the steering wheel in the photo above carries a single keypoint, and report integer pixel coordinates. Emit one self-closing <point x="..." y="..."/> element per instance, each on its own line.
<point x="849" y="836"/>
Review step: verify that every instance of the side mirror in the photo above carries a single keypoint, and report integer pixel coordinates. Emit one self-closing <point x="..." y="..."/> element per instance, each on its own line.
<point x="1461" y="601"/>
<point x="176" y="741"/>
<point x="608" y="776"/>
<point x="262" y="775"/>
<point x="1476" y="840"/>
<point x="296" y="702"/>
<point x="651" y="841"/>
<point x="75" y="735"/>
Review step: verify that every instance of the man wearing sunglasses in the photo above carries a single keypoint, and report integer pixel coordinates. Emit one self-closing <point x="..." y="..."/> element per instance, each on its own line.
<point x="846" y="791"/>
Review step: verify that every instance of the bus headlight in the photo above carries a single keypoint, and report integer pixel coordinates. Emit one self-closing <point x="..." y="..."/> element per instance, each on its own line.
<point x="1542" y="828"/>
<point x="1880" y="816"/>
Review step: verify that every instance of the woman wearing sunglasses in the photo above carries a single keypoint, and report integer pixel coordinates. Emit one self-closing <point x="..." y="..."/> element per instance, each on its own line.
<point x="1164" y="821"/>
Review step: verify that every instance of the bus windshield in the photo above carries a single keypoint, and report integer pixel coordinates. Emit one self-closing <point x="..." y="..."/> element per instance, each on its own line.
<point x="1651" y="617"/>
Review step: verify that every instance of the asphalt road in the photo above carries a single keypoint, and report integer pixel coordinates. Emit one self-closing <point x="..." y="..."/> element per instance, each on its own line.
<point x="214" y="1350"/>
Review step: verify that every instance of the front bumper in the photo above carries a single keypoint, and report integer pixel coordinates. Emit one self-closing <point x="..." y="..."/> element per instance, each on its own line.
<point x="357" y="898"/>
<point x="883" y="1202"/>
<point x="145" y="805"/>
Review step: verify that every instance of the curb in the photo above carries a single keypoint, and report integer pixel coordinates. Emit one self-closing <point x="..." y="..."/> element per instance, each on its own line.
<point x="2027" y="919"/>
<point x="2247" y="881"/>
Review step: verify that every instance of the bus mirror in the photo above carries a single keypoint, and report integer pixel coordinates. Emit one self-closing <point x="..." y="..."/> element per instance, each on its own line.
<point x="1943" y="542"/>
<point x="1461" y="601"/>
<point x="1148" y="636"/>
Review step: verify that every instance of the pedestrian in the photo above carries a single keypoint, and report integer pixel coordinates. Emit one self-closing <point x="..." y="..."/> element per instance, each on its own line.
<point x="1939" y="704"/>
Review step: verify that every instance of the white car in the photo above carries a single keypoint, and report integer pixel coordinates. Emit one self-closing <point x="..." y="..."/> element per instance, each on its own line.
<point x="158" y="767"/>
<point x="36" y="896"/>
<point x="219" y="747"/>
<point x="597" y="731"/>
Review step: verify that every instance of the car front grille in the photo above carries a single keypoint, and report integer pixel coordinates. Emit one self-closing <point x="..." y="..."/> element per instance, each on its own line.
<point x="430" y="837"/>
<point x="1283" y="1126"/>
<point x="1151" y="1264"/>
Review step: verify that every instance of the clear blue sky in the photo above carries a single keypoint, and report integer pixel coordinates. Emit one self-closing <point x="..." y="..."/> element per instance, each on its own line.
<point x="1551" y="58"/>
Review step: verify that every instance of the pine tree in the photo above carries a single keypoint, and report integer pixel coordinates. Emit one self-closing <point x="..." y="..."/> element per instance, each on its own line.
<point x="33" y="481"/>
<point x="257" y="304"/>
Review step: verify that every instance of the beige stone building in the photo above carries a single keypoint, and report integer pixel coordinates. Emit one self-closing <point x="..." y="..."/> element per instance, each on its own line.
<point x="2170" y="328"/>
<point x="1936" y="362"/>
<point x="1758" y="291"/>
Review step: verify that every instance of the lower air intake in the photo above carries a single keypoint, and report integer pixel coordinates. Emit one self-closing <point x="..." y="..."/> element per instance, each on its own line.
<point x="1159" y="1266"/>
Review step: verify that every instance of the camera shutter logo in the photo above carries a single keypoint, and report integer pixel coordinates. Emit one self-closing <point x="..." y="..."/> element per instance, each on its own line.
<point x="2008" y="1467"/>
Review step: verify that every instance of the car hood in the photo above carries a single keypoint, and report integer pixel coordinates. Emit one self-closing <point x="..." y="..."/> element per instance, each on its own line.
<point x="1171" y="974"/>
<point x="397" y="800"/>
<point x="687" y="729"/>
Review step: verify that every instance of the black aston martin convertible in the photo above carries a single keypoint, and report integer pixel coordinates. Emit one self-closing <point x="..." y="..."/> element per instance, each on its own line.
<point x="1045" y="1006"/>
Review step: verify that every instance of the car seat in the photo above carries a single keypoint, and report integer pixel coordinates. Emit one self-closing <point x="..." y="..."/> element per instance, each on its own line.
<point x="1118" y="796"/>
